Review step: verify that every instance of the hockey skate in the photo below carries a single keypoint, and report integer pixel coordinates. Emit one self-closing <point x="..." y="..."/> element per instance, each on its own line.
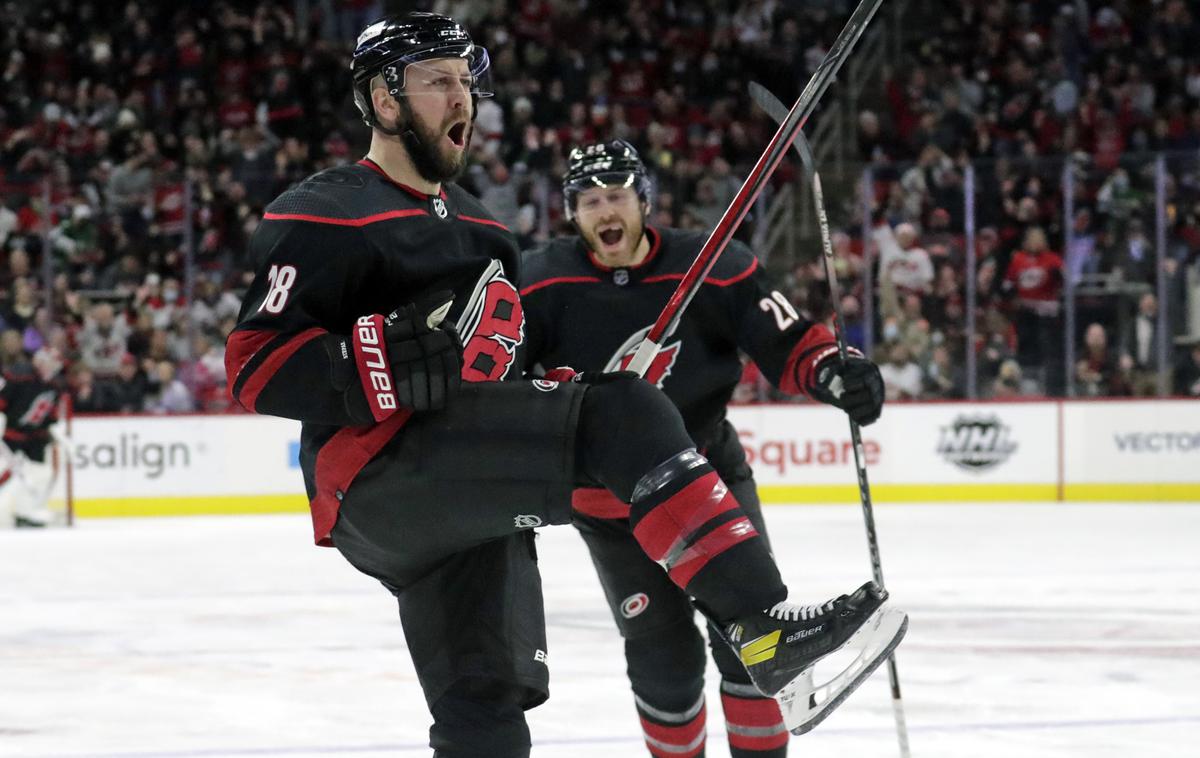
<point x="780" y="648"/>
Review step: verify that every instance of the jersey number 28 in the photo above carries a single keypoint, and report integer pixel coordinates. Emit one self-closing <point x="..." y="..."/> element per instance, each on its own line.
<point x="279" y="285"/>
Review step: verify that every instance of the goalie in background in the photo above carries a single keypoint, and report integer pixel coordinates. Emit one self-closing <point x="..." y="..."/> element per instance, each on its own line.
<point x="29" y="396"/>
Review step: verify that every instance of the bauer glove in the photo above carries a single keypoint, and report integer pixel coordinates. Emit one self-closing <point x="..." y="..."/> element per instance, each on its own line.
<point x="854" y="385"/>
<point x="412" y="358"/>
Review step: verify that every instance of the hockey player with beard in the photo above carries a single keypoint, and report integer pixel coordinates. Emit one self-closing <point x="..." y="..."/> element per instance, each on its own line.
<point x="427" y="457"/>
<point x="30" y="394"/>
<point x="589" y="301"/>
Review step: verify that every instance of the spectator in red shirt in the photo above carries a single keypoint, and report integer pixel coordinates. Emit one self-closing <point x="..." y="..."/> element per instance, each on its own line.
<point x="1035" y="278"/>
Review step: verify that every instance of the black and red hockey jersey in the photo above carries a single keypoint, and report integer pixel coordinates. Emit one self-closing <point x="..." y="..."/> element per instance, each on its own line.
<point x="30" y="406"/>
<point x="350" y="242"/>
<point x="583" y="314"/>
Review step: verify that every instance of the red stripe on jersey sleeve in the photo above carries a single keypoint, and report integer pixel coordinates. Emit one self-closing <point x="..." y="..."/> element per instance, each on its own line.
<point x="387" y="215"/>
<point x="338" y="463"/>
<point x="709" y="279"/>
<point x="558" y="280"/>
<point x="800" y="371"/>
<point x="484" y="221"/>
<point x="257" y="381"/>
<point x="241" y="346"/>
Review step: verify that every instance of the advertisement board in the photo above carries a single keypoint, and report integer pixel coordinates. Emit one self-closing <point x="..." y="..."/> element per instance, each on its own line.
<point x="1132" y="450"/>
<point x="919" y="452"/>
<point x="146" y="465"/>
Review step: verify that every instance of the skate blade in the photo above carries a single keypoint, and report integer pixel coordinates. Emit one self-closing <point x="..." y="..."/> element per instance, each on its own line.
<point x="805" y="705"/>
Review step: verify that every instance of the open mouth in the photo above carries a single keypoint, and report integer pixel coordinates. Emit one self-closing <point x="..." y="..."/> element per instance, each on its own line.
<point x="458" y="134"/>
<point x="611" y="237"/>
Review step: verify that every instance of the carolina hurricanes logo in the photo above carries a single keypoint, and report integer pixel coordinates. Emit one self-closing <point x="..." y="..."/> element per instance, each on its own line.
<point x="659" y="369"/>
<point x="1032" y="278"/>
<point x="634" y="605"/>
<point x="491" y="326"/>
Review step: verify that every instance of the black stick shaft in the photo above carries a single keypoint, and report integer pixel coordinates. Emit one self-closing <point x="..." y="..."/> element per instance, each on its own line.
<point x="860" y="460"/>
<point x="775" y="109"/>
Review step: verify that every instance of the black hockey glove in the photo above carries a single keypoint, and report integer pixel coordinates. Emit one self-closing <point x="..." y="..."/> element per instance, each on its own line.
<point x="854" y="385"/>
<point x="568" y="374"/>
<point x="410" y="359"/>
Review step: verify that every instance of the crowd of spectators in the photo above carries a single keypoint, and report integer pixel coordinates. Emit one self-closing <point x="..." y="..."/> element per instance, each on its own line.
<point x="1024" y="94"/>
<point x="139" y="143"/>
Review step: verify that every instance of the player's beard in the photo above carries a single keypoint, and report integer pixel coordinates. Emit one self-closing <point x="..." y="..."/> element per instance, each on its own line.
<point x="432" y="161"/>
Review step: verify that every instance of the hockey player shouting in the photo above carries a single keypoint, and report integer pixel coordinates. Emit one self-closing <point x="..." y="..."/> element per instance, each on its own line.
<point x="589" y="300"/>
<point x="428" y="459"/>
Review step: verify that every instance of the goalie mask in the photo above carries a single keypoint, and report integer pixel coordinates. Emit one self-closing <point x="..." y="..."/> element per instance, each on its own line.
<point x="607" y="164"/>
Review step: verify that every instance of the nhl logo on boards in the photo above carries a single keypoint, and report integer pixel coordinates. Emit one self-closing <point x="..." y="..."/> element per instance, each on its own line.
<point x="439" y="207"/>
<point x="526" y="521"/>
<point x="634" y="605"/>
<point x="621" y="277"/>
<point x="976" y="443"/>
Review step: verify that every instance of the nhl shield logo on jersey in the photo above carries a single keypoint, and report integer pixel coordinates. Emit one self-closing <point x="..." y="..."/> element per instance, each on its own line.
<point x="439" y="207"/>
<point x="526" y="521"/>
<point x="659" y="369"/>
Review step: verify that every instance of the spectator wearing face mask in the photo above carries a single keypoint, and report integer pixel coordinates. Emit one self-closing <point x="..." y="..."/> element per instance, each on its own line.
<point x="901" y="376"/>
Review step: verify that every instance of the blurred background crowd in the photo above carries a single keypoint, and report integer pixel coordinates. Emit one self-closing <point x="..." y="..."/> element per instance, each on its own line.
<point x="139" y="143"/>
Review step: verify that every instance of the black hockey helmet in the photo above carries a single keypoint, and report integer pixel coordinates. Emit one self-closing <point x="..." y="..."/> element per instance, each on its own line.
<point x="388" y="46"/>
<point x="605" y="164"/>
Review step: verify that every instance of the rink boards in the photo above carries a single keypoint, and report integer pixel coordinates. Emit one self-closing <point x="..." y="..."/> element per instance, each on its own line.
<point x="948" y="452"/>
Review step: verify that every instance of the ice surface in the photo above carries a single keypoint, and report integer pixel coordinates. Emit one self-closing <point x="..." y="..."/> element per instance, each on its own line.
<point x="1036" y="630"/>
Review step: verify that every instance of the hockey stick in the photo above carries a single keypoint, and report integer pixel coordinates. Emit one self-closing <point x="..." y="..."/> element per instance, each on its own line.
<point x="753" y="186"/>
<point x="775" y="109"/>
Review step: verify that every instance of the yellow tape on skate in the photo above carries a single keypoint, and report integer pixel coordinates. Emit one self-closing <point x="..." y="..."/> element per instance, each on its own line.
<point x="761" y="649"/>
